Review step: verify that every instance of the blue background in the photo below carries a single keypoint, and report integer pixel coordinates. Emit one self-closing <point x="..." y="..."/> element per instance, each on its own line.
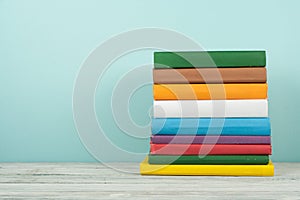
<point x="43" y="44"/>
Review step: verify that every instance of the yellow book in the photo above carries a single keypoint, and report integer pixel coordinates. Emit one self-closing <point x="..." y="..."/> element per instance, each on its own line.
<point x="209" y="91"/>
<point x="207" y="170"/>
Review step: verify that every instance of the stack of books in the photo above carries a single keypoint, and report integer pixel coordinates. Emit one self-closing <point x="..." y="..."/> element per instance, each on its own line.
<point x="210" y="115"/>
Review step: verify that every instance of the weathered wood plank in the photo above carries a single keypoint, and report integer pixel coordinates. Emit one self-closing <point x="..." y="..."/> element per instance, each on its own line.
<point x="94" y="181"/>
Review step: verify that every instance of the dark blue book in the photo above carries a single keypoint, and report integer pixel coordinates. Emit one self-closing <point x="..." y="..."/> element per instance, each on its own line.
<point x="211" y="126"/>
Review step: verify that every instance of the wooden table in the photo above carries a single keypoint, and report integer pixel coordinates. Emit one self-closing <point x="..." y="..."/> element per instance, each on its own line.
<point x="94" y="181"/>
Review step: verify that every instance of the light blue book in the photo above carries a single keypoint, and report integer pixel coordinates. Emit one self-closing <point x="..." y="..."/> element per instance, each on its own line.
<point x="211" y="126"/>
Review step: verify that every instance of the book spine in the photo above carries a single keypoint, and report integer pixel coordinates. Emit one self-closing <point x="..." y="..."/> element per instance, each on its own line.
<point x="211" y="126"/>
<point x="210" y="75"/>
<point x="210" y="159"/>
<point x="206" y="108"/>
<point x="200" y="59"/>
<point x="209" y="91"/>
<point x="209" y="139"/>
<point x="207" y="170"/>
<point x="205" y="149"/>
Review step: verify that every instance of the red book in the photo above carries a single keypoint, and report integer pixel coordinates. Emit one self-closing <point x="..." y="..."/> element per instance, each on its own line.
<point x="209" y="149"/>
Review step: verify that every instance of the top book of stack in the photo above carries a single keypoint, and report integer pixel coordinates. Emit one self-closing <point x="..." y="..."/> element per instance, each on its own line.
<point x="207" y="59"/>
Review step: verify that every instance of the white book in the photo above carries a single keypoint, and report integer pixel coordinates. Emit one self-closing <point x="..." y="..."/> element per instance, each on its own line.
<point x="210" y="108"/>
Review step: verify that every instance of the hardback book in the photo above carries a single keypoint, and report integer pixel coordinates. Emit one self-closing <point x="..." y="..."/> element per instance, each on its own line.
<point x="195" y="59"/>
<point x="206" y="170"/>
<point x="209" y="91"/>
<point x="211" y="126"/>
<point x="209" y="160"/>
<point x="210" y="108"/>
<point x="209" y="139"/>
<point x="210" y="75"/>
<point x="210" y="149"/>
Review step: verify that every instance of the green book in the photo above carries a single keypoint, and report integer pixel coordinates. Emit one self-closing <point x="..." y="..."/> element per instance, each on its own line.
<point x="199" y="59"/>
<point x="210" y="159"/>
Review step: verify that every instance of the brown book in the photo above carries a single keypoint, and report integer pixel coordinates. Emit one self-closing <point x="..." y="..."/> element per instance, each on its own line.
<point x="210" y="75"/>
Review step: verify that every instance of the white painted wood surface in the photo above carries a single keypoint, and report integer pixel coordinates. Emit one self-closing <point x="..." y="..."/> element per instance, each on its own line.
<point x="95" y="181"/>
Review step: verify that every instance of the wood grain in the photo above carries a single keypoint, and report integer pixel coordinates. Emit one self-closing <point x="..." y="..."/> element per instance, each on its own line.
<point x="95" y="181"/>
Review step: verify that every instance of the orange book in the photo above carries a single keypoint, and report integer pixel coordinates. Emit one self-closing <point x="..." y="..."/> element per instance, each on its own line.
<point x="209" y="91"/>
